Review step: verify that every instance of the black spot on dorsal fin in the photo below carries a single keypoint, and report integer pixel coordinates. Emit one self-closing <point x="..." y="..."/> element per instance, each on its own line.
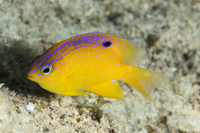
<point x="107" y="44"/>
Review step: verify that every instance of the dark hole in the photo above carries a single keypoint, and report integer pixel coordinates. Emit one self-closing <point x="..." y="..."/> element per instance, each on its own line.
<point x="107" y="44"/>
<point x="46" y="70"/>
<point x="151" y="40"/>
<point x="185" y="57"/>
<point x="27" y="22"/>
<point x="111" y="131"/>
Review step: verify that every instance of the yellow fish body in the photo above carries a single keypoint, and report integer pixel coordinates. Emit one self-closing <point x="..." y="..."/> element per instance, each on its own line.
<point x="93" y="62"/>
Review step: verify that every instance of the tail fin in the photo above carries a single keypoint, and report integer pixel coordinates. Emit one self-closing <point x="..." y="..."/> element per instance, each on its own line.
<point x="145" y="81"/>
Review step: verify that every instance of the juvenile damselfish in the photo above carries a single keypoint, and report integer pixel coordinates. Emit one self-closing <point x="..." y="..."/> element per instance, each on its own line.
<point x="93" y="62"/>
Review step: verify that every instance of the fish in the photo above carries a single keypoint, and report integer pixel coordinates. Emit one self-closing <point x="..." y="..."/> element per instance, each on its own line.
<point x="94" y="63"/>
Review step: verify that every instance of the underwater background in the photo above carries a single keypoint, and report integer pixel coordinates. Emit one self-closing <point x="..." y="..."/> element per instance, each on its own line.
<point x="169" y="32"/>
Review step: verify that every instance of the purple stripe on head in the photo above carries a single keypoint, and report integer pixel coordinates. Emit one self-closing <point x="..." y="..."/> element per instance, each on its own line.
<point x="54" y="52"/>
<point x="46" y="65"/>
<point x="35" y="59"/>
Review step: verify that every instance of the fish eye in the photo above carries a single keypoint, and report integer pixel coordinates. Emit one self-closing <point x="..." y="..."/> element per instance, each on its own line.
<point x="46" y="70"/>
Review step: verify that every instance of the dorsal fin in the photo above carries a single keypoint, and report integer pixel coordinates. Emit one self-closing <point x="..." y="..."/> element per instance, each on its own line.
<point x="133" y="54"/>
<point x="129" y="52"/>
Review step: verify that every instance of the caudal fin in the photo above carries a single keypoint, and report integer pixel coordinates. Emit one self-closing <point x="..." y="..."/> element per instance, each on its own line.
<point x="145" y="81"/>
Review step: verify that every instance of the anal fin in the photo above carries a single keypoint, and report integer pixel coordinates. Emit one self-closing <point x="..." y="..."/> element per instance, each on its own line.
<point x="110" y="89"/>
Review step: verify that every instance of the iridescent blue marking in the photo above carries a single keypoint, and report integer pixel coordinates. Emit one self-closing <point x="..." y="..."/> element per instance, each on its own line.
<point x="45" y="65"/>
<point x="78" y="40"/>
<point x="94" y="39"/>
<point x="54" y="52"/>
<point x="58" y="59"/>
<point x="112" y="82"/>
<point x="85" y="39"/>
<point x="35" y="59"/>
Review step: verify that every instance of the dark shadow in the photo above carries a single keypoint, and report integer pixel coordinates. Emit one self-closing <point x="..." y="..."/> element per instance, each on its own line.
<point x="16" y="58"/>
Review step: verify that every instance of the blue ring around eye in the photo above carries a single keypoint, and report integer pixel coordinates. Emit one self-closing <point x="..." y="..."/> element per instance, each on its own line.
<point x="47" y="69"/>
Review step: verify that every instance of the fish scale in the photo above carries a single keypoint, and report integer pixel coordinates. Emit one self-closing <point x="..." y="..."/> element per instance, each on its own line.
<point x="95" y="59"/>
<point x="94" y="62"/>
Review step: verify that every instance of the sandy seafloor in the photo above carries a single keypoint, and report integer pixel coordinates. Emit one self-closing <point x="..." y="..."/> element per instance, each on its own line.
<point x="169" y="32"/>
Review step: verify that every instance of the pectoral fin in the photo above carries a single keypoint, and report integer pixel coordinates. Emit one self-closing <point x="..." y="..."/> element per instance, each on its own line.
<point x="111" y="89"/>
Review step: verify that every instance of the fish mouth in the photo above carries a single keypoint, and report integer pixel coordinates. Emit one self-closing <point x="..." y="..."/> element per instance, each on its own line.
<point x="29" y="76"/>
